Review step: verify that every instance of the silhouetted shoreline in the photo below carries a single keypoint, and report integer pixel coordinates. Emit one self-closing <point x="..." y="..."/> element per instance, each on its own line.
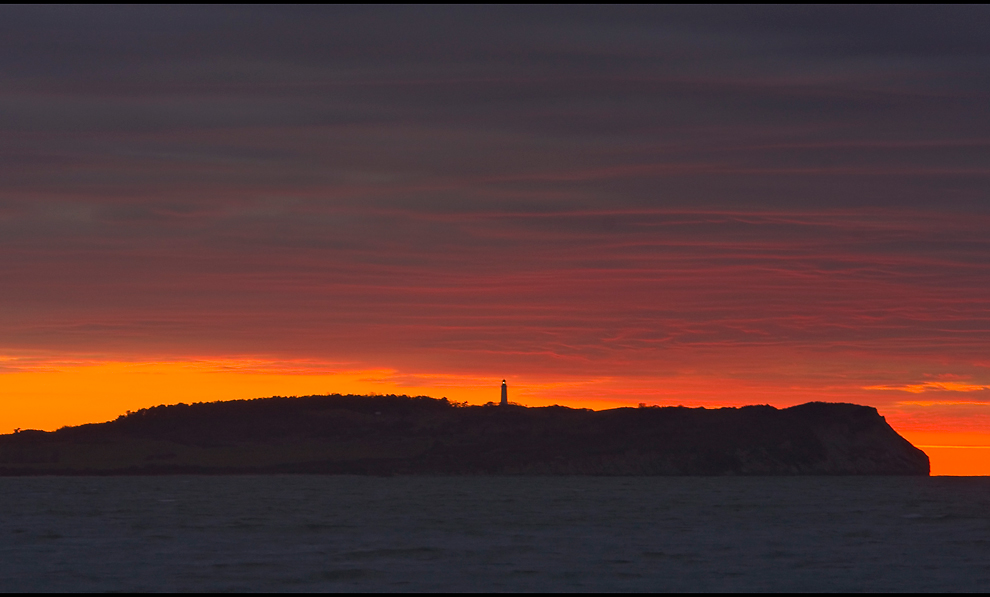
<point x="385" y="435"/>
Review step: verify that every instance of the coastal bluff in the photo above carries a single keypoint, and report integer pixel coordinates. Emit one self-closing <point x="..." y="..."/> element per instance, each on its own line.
<point x="382" y="435"/>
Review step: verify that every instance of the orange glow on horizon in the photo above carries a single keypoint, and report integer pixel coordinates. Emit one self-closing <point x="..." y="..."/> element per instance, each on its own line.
<point x="52" y="396"/>
<point x="49" y="395"/>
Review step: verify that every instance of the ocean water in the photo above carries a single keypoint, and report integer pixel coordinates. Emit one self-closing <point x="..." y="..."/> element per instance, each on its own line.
<point x="322" y="533"/>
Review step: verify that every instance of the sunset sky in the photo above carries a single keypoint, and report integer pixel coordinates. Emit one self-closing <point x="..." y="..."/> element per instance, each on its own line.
<point x="710" y="206"/>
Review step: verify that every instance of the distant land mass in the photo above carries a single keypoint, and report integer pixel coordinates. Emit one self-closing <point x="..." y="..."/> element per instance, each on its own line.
<point x="383" y="435"/>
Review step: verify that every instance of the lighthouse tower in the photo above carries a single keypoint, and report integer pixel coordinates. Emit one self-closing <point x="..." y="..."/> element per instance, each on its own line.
<point x="505" y="394"/>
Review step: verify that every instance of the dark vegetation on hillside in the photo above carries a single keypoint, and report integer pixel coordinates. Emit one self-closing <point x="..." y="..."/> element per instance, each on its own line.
<point x="403" y="435"/>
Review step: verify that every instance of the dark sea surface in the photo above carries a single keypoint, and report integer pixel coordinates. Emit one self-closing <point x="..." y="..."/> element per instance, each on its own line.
<point x="321" y="533"/>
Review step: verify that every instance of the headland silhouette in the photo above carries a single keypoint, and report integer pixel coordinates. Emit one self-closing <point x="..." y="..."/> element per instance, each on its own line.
<point x="349" y="434"/>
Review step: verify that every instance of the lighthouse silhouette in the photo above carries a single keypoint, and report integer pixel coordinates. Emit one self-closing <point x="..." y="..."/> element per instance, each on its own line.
<point x="505" y="394"/>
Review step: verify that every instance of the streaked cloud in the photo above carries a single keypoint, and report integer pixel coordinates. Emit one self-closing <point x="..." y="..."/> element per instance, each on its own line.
<point x="933" y="386"/>
<point x="666" y="204"/>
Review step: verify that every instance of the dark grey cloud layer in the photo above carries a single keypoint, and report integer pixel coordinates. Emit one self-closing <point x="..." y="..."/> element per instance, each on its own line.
<point x="741" y="100"/>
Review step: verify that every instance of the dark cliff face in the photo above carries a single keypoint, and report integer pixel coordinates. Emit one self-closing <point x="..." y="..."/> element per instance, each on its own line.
<point x="397" y="434"/>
